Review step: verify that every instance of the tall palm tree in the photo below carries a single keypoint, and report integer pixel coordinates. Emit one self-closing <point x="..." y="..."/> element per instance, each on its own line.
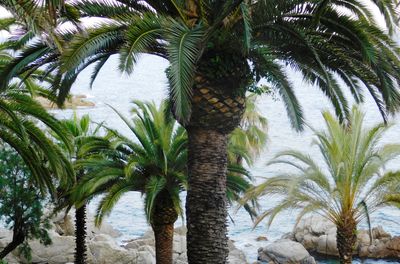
<point x="155" y="164"/>
<point x="345" y="187"/>
<point x="209" y="45"/>
<point x="82" y="132"/>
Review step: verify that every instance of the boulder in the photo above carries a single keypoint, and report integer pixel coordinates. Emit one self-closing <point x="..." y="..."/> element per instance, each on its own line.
<point x="109" y="252"/>
<point x="60" y="251"/>
<point x="285" y="251"/>
<point x="318" y="235"/>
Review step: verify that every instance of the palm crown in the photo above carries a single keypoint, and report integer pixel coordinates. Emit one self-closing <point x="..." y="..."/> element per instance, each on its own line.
<point x="326" y="41"/>
<point x="347" y="187"/>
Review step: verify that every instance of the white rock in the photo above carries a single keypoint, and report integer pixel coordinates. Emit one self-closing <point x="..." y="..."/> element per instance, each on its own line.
<point x="327" y="245"/>
<point x="145" y="258"/>
<point x="60" y="251"/>
<point x="106" y="252"/>
<point x="285" y="251"/>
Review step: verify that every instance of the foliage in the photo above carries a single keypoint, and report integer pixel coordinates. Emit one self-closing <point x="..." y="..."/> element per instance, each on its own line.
<point x="248" y="140"/>
<point x="22" y="119"/>
<point x="328" y="42"/>
<point x="21" y="123"/>
<point x="21" y="203"/>
<point x="350" y="182"/>
<point x="153" y="161"/>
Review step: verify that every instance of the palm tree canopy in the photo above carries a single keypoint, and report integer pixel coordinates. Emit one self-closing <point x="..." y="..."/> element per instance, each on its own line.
<point x="329" y="42"/>
<point x="350" y="181"/>
<point x="153" y="162"/>
<point x="21" y="122"/>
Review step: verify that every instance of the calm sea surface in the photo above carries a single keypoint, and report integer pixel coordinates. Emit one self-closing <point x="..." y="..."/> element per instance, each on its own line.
<point x="149" y="83"/>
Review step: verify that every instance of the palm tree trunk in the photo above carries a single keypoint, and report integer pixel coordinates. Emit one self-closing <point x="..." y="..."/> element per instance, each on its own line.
<point x="80" y="235"/>
<point x="346" y="238"/>
<point x="206" y="205"/>
<point x="164" y="237"/>
<point x="162" y="223"/>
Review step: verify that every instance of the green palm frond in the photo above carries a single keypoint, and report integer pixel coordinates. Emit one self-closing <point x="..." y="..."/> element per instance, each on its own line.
<point x="183" y="53"/>
<point x="350" y="181"/>
<point x="103" y="37"/>
<point x="19" y="115"/>
<point x="141" y="37"/>
<point x="153" y="187"/>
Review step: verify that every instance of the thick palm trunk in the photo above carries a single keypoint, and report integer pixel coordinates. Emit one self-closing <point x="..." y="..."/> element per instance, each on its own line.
<point x="162" y="222"/>
<point x="206" y="199"/>
<point x="217" y="108"/>
<point x="346" y="239"/>
<point x="80" y="235"/>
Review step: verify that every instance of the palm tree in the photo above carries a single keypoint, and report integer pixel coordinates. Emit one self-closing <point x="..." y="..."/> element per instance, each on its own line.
<point x="154" y="164"/>
<point x="349" y="184"/>
<point x="81" y="131"/>
<point x="209" y="45"/>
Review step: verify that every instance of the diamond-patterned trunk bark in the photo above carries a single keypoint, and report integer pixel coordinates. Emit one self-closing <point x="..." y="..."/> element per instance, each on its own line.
<point x="216" y="111"/>
<point x="216" y="107"/>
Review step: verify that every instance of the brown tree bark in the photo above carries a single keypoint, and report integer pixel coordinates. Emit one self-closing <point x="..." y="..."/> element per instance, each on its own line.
<point x="346" y="238"/>
<point x="162" y="223"/>
<point x="206" y="199"/>
<point x="164" y="237"/>
<point x="18" y="239"/>
<point x="217" y="109"/>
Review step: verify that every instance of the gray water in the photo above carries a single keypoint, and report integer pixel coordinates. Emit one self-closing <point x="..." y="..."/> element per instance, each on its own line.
<point x="149" y="83"/>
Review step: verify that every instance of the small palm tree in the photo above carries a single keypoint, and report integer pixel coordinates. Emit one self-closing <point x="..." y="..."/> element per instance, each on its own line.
<point x="350" y="184"/>
<point x="155" y="164"/>
<point x="81" y="132"/>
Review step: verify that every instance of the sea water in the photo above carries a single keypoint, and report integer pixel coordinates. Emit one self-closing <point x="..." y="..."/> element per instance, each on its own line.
<point x="148" y="82"/>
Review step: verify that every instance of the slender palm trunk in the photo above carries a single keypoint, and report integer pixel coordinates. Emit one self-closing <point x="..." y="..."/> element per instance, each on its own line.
<point x="80" y="235"/>
<point x="346" y="238"/>
<point x="162" y="223"/>
<point x="206" y="205"/>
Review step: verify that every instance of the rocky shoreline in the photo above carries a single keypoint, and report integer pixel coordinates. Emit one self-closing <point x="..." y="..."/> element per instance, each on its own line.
<point x="102" y="246"/>
<point x="71" y="102"/>
<point x="313" y="236"/>
<point x="317" y="236"/>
